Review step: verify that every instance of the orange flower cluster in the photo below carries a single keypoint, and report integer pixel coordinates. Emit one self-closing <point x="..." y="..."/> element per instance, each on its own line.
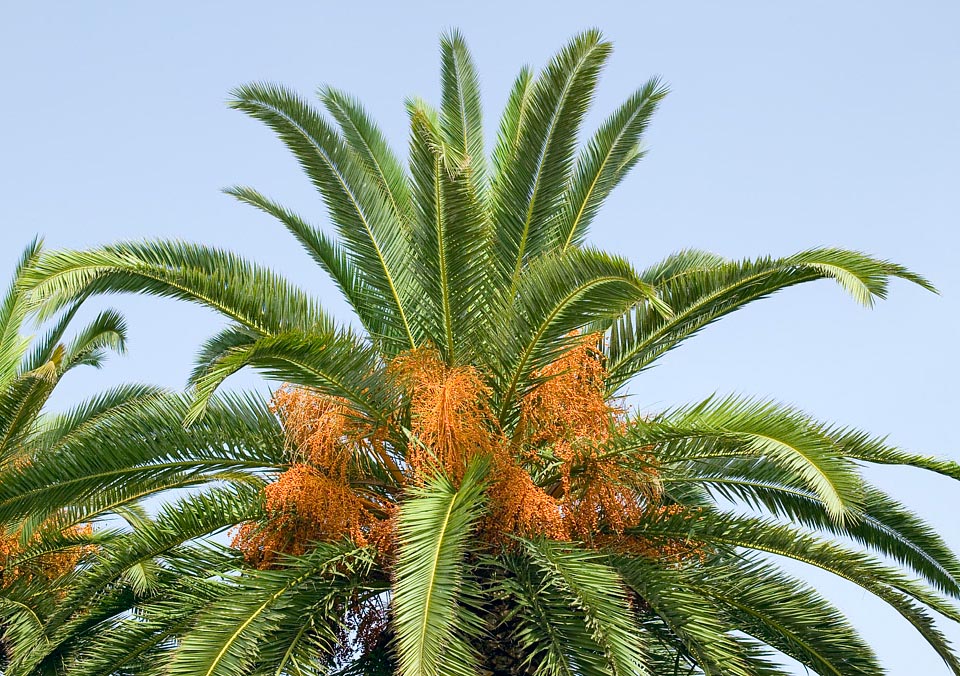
<point x="313" y="500"/>
<point x="449" y="413"/>
<point x="580" y="493"/>
<point x="569" y="417"/>
<point x="48" y="566"/>
<point x="663" y="549"/>
<point x="571" y="402"/>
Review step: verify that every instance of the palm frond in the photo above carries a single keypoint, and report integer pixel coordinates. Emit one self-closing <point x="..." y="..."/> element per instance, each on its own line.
<point x="529" y="188"/>
<point x="326" y="252"/>
<point x="701" y="289"/>
<point x="450" y="235"/>
<point x="556" y="296"/>
<point x="13" y="312"/>
<point x="230" y="637"/>
<point x="432" y="624"/>
<point x="902" y="593"/>
<point x="788" y="615"/>
<point x="141" y="447"/>
<point x="882" y="524"/>
<point x="735" y="427"/>
<point x="108" y="331"/>
<point x="690" y="615"/>
<point x="461" y="119"/>
<point x="374" y="238"/>
<point x="238" y="289"/>
<point x="366" y="139"/>
<point x="333" y="362"/>
<point x="596" y="590"/>
<point x="608" y="157"/>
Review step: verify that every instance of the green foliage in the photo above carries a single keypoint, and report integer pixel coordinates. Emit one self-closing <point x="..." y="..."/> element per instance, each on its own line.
<point x="433" y="591"/>
<point x="484" y="259"/>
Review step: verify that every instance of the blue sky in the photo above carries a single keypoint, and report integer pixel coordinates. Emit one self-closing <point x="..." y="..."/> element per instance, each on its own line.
<point x="789" y="125"/>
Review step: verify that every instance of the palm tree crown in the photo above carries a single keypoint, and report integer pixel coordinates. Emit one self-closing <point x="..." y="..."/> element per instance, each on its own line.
<point x="457" y="487"/>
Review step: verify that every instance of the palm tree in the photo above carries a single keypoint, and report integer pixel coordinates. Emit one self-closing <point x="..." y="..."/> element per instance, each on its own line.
<point x="51" y="501"/>
<point x="50" y="544"/>
<point x="457" y="487"/>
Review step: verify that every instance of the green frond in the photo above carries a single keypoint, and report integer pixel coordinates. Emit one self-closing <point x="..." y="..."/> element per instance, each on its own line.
<point x="552" y="632"/>
<point x="614" y="149"/>
<point x="140" y="448"/>
<point x="461" y="120"/>
<point x="860" y="445"/>
<point x="22" y="626"/>
<point x="333" y="362"/>
<point x="528" y="191"/>
<point x="556" y="295"/>
<point x="376" y="241"/>
<point x="726" y="530"/>
<point x="882" y="524"/>
<point x="21" y="404"/>
<point x="108" y="331"/>
<point x="584" y="580"/>
<point x="43" y="348"/>
<point x="450" y="236"/>
<point x="262" y="609"/>
<point x="139" y="641"/>
<point x="735" y="427"/>
<point x="512" y="122"/>
<point x="241" y="291"/>
<point x="188" y="518"/>
<point x="433" y="625"/>
<point x="788" y="615"/>
<point x="13" y="313"/>
<point x="327" y="253"/>
<point x="701" y="289"/>
<point x="690" y="615"/>
<point x="365" y="139"/>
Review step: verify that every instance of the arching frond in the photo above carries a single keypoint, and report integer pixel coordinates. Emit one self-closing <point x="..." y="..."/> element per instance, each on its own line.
<point x="736" y="427"/>
<point x="333" y="362"/>
<point x="14" y="309"/>
<point x="726" y="530"/>
<point x="608" y="157"/>
<point x="702" y="293"/>
<point x="691" y="616"/>
<point x="262" y="611"/>
<point x="461" y="118"/>
<point x="141" y="447"/>
<point x="242" y="291"/>
<point x="363" y="136"/>
<point x="882" y="523"/>
<point x="586" y="582"/>
<point x="326" y="252"/>
<point x="788" y="615"/>
<point x="555" y="296"/>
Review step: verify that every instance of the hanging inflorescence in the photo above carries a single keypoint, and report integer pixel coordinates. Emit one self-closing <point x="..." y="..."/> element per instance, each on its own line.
<point x="48" y="565"/>
<point x="552" y="477"/>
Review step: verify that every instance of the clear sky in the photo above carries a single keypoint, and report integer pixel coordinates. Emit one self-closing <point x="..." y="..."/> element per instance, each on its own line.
<point x="790" y="125"/>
